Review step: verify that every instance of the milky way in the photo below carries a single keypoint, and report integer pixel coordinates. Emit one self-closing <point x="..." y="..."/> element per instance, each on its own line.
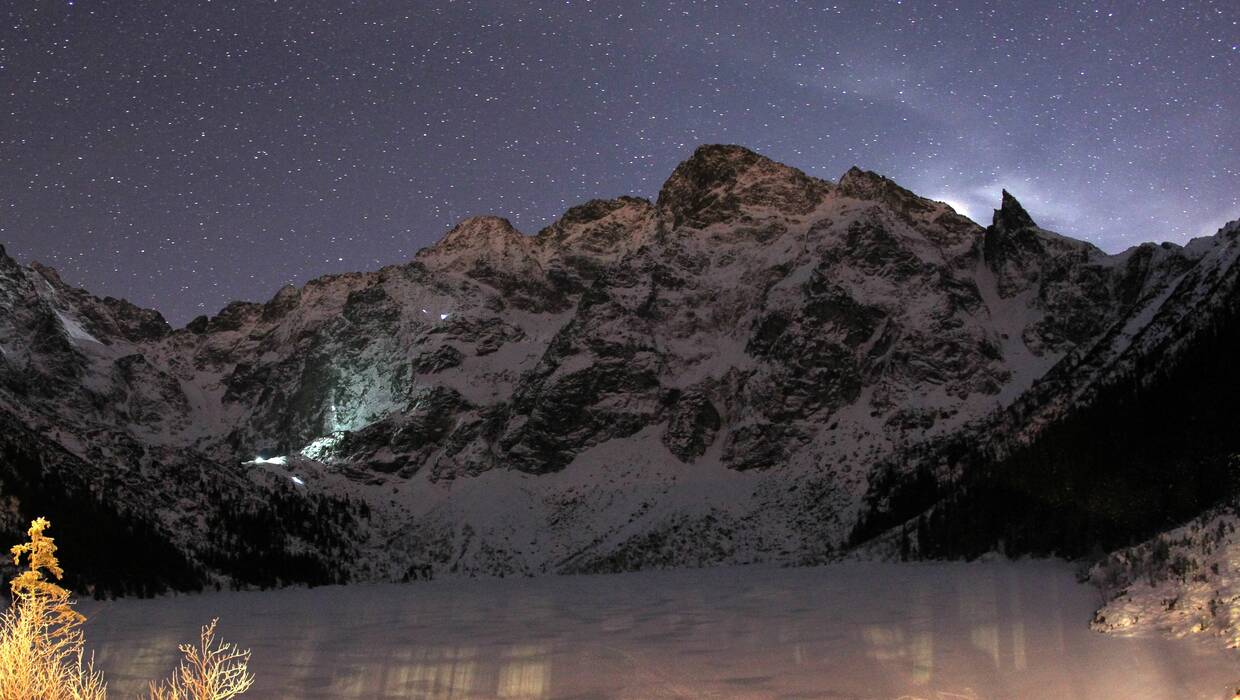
<point x="186" y="153"/>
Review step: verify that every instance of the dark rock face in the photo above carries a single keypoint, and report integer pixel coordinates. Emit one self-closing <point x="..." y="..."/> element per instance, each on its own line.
<point x="760" y="446"/>
<point x="1073" y="283"/>
<point x="371" y="306"/>
<point x="587" y="239"/>
<point x="746" y="357"/>
<point x="716" y="183"/>
<point x="106" y="318"/>
<point x="146" y="392"/>
<point x="486" y="334"/>
<point x="1021" y="254"/>
<point x="863" y="184"/>
<point x="282" y="303"/>
<point x="234" y="316"/>
<point x="558" y="417"/>
<point x="1011" y="216"/>
<point x="438" y="360"/>
<point x="403" y="444"/>
<point x="135" y="324"/>
<point x="692" y="424"/>
<point x="593" y="227"/>
<point x="198" y="325"/>
<point x="811" y="356"/>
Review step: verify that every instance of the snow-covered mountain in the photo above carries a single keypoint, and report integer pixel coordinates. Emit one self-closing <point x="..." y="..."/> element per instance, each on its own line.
<point x="754" y="367"/>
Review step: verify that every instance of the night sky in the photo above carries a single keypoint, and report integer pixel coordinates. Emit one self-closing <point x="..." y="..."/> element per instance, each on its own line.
<point x="186" y="153"/>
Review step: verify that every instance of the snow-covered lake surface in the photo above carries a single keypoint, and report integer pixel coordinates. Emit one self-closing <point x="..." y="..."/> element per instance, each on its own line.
<point x="854" y="630"/>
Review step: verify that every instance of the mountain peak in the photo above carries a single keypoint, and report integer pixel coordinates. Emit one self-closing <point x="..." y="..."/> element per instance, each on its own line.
<point x="482" y="242"/>
<point x="858" y="179"/>
<point x="714" y="154"/>
<point x="597" y="209"/>
<point x="6" y="261"/>
<point x="1011" y="216"/>
<point x="855" y="174"/>
<point x="485" y="225"/>
<point x="870" y="186"/>
<point x="48" y="273"/>
<point x="600" y="226"/>
<point x="710" y="167"/>
<point x="477" y="233"/>
<point x="715" y="182"/>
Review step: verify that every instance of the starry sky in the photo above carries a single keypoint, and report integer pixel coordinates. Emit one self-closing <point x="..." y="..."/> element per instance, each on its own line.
<point x="185" y="153"/>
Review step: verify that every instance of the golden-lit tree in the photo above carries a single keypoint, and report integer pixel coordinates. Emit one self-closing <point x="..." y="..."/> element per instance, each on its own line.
<point x="41" y="642"/>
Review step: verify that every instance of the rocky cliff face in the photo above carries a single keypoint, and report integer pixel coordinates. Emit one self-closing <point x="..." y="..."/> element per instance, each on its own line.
<point x="713" y="377"/>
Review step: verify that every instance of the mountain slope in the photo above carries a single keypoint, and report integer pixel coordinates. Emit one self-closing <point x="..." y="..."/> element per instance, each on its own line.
<point x="746" y="369"/>
<point x="1130" y="434"/>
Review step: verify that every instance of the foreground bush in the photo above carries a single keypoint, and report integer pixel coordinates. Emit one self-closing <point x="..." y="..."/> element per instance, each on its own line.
<point x="210" y="671"/>
<point x="42" y="645"/>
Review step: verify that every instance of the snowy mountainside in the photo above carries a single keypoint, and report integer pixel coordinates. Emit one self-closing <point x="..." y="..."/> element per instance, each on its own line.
<point x="1181" y="582"/>
<point x="1129" y="434"/>
<point x="713" y="377"/>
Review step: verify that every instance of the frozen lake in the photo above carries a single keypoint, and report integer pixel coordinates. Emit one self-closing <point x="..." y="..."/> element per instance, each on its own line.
<point x="856" y="630"/>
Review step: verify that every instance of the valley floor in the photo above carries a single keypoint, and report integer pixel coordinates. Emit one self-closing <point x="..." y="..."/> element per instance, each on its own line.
<point x="852" y="630"/>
